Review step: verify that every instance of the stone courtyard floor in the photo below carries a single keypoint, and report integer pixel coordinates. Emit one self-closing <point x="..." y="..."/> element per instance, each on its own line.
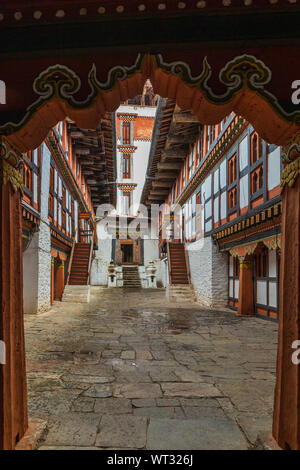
<point x="131" y="370"/>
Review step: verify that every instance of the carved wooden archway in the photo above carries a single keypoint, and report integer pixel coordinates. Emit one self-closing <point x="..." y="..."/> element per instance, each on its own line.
<point x="210" y="82"/>
<point x="210" y="86"/>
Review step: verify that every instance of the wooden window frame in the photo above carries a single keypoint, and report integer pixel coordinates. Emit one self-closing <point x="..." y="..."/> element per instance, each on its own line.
<point x="126" y="166"/>
<point x="257" y="179"/>
<point x="200" y="147"/>
<point x="232" y="198"/>
<point x="255" y="148"/>
<point x="235" y="276"/>
<point x="191" y="162"/>
<point x="27" y="177"/>
<point x="51" y="203"/>
<point x="126" y="132"/>
<point x="232" y="169"/>
<point x="261" y="263"/>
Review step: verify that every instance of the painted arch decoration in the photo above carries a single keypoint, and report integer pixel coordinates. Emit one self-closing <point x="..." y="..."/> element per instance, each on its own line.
<point x="211" y="84"/>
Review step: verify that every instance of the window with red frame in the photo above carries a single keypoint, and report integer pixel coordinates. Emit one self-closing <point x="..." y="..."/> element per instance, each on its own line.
<point x="63" y="218"/>
<point x="261" y="263"/>
<point x="51" y="178"/>
<point x="191" y="162"/>
<point x="183" y="175"/>
<point x="198" y="211"/>
<point x="232" y="198"/>
<point x="212" y="134"/>
<point x="256" y="148"/>
<point x="257" y="179"/>
<point x="51" y="203"/>
<point x="126" y="166"/>
<point x="27" y="177"/>
<point x="232" y="169"/>
<point x="64" y="196"/>
<point x="236" y="267"/>
<point x="72" y="216"/>
<point x="126" y="133"/>
<point x="200" y="147"/>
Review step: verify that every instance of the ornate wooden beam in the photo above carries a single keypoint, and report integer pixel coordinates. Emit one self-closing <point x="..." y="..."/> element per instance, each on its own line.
<point x="177" y="153"/>
<point x="162" y="184"/>
<point x="169" y="166"/>
<point x="157" y="192"/>
<point x="184" y="117"/>
<point x="180" y="139"/>
<point x="169" y="176"/>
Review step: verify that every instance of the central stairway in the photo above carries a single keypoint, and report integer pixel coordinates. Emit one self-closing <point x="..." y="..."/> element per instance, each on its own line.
<point x="178" y="264"/>
<point x="131" y="276"/>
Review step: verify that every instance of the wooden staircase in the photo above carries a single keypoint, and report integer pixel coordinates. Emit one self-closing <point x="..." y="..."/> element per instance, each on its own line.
<point x="79" y="274"/>
<point x="178" y="264"/>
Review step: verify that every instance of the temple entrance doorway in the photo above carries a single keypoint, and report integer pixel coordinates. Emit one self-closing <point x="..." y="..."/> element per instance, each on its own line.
<point x="127" y="253"/>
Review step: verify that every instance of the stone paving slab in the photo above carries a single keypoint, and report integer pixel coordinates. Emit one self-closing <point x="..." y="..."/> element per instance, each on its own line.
<point x="140" y="390"/>
<point x="133" y="370"/>
<point x="98" y="391"/>
<point x="73" y="429"/>
<point x="193" y="412"/>
<point x="122" y="431"/>
<point x="91" y="379"/>
<point x="113" y="406"/>
<point x="185" y="389"/>
<point x="194" y="434"/>
<point x="162" y="412"/>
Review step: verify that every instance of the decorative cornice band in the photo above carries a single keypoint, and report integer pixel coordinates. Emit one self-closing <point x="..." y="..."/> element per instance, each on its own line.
<point x="126" y="149"/>
<point x="127" y="117"/>
<point x="127" y="188"/>
<point x="249" y="222"/>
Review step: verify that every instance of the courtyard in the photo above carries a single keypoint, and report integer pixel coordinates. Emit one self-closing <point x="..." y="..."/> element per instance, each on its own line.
<point x="133" y="370"/>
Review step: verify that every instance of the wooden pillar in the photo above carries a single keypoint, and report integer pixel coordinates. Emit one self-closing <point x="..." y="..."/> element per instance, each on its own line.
<point x="13" y="398"/>
<point x="52" y="281"/>
<point x="246" y="293"/>
<point x="60" y="280"/>
<point x="286" y="422"/>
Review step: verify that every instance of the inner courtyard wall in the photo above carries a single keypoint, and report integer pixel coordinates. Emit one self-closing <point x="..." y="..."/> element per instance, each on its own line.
<point x="37" y="257"/>
<point x="209" y="272"/>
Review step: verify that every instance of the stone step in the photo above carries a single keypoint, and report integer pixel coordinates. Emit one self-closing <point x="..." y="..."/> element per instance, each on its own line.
<point x="127" y="284"/>
<point x="76" y="293"/>
<point x="131" y="276"/>
<point x="180" y="292"/>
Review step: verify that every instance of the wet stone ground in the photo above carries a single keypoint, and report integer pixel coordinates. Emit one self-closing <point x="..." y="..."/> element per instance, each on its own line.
<point x="132" y="371"/>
